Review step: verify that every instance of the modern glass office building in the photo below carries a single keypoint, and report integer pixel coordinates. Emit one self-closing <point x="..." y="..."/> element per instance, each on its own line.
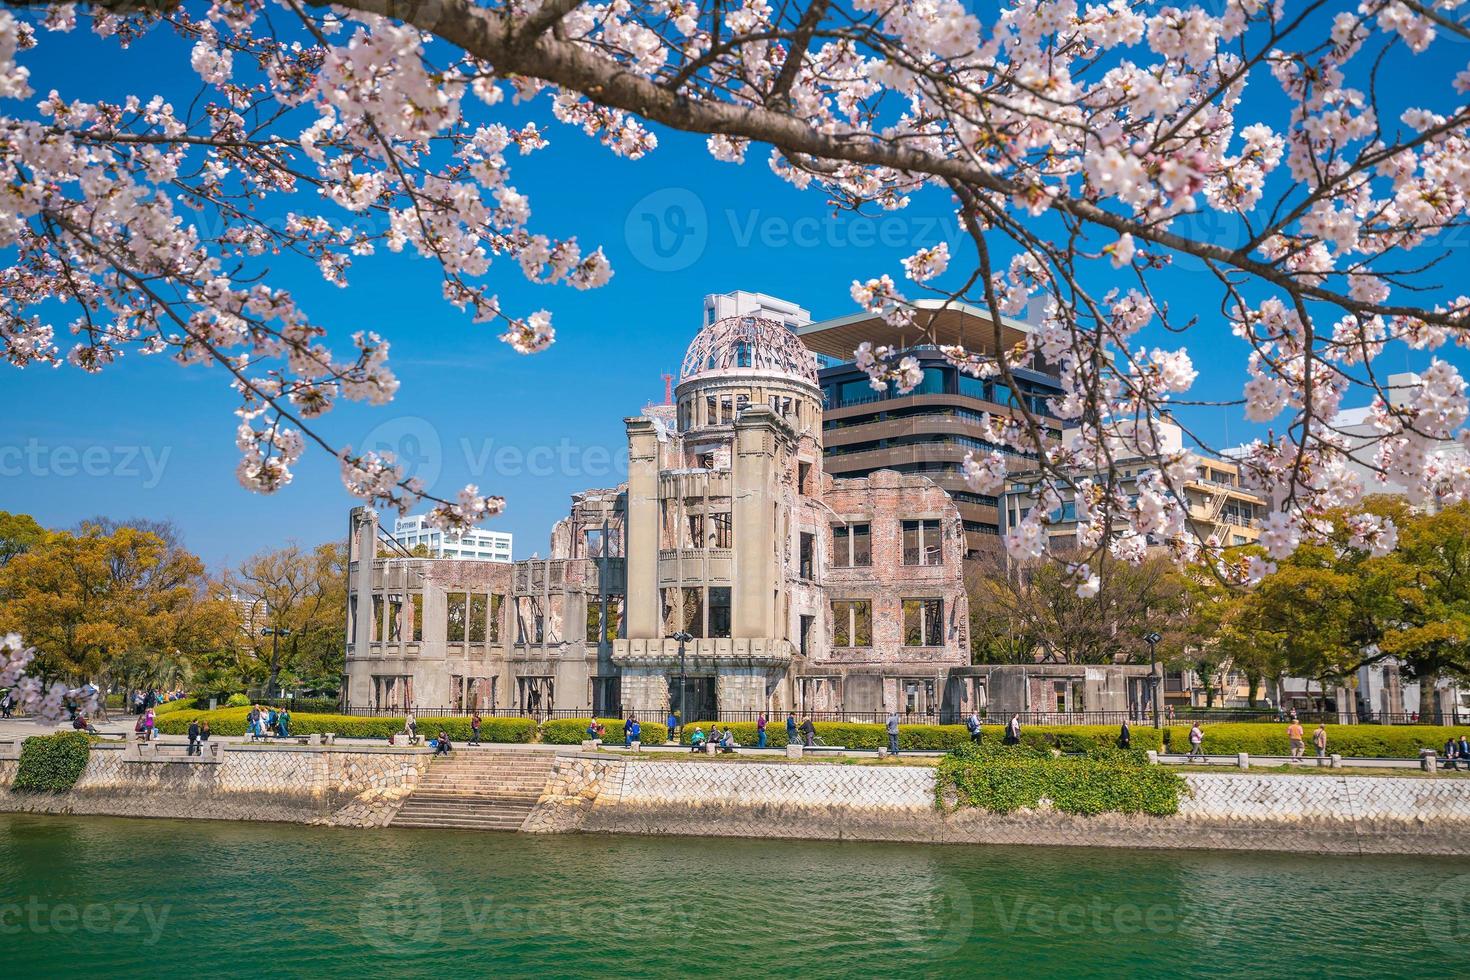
<point x="927" y="430"/>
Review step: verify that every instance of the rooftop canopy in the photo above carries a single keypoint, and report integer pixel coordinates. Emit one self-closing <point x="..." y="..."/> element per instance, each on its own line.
<point x="935" y="322"/>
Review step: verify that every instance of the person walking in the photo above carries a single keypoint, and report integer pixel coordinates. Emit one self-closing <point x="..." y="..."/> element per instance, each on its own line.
<point x="808" y="732"/>
<point x="629" y="723"/>
<point x="635" y="733"/>
<point x="673" y="722"/>
<point x="7" y="705"/>
<point x="760" y="730"/>
<point x="1294" y="736"/>
<point x="203" y="733"/>
<point x="1013" y="731"/>
<point x="1196" y="739"/>
<point x="283" y="721"/>
<point x="1319" y="740"/>
<point x="474" y="728"/>
<point x="973" y="724"/>
<point x="194" y="736"/>
<point x="149" y="719"/>
<point x="893" y="733"/>
<point x="791" y="728"/>
<point x="1125" y="736"/>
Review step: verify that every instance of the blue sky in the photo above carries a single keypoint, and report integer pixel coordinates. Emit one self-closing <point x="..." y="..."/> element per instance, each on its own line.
<point x="149" y="439"/>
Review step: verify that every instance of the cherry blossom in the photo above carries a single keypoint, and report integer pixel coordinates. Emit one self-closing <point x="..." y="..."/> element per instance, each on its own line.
<point x="47" y="703"/>
<point x="1086" y="152"/>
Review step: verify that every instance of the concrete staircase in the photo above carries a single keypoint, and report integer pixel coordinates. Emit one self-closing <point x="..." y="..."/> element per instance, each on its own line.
<point x="477" y="789"/>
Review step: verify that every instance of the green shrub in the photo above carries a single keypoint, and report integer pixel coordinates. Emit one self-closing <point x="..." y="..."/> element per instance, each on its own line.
<point x="237" y="700"/>
<point x="1014" y="778"/>
<point x="231" y="721"/>
<point x="939" y="738"/>
<point x="1349" y="741"/>
<point x="185" y="703"/>
<point x="52" y="762"/>
<point x="313" y="706"/>
<point x="571" y="731"/>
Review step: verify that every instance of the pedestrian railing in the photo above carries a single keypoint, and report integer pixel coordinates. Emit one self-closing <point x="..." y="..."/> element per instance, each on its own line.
<point x="1135" y="717"/>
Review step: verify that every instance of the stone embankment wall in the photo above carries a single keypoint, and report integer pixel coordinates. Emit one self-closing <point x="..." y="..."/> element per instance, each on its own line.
<point x="364" y="787"/>
<point x="357" y="787"/>
<point x="1288" y="812"/>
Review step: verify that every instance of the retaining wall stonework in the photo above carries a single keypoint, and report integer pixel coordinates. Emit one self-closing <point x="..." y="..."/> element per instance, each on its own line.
<point x="1234" y="812"/>
<point x="278" y="783"/>
<point x="364" y="787"/>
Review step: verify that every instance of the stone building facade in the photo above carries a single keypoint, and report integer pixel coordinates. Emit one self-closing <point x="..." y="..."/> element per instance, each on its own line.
<point x="795" y="591"/>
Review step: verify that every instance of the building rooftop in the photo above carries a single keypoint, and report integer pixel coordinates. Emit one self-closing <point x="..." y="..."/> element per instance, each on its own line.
<point x="936" y="322"/>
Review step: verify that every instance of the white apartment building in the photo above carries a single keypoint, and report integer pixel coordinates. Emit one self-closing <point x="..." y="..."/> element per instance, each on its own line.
<point x="1363" y="438"/>
<point x="720" y="306"/>
<point x="475" y="545"/>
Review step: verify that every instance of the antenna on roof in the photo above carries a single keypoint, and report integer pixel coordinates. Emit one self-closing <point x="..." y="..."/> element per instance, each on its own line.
<point x="668" y="389"/>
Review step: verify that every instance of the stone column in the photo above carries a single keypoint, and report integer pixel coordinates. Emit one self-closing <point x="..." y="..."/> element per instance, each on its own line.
<point x="642" y="614"/>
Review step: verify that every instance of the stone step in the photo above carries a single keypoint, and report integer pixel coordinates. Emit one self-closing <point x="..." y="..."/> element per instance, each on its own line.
<point x="445" y="792"/>
<point x="468" y="807"/>
<point x="508" y="821"/>
<point x="492" y="770"/>
<point x="477" y="791"/>
<point x="483" y="785"/>
<point x="502" y="767"/>
<point x="449" y="811"/>
<point x="508" y="828"/>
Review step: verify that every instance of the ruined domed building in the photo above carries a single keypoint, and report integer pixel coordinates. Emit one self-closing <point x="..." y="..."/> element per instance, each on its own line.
<point x="796" y="591"/>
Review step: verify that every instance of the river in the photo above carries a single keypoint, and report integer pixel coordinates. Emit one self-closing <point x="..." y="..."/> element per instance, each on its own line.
<point x="110" y="897"/>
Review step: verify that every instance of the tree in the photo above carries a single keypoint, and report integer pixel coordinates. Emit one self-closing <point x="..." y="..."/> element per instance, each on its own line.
<point x="19" y="533"/>
<point x="1334" y="607"/>
<point x="1021" y="614"/>
<point x="291" y="614"/>
<point x="1082" y="150"/>
<point x="107" y="607"/>
<point x="1431" y="634"/>
<point x="1220" y="635"/>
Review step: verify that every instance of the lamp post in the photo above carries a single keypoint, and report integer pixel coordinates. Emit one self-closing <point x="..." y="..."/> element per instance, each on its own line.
<point x="1152" y="639"/>
<point x="682" y="637"/>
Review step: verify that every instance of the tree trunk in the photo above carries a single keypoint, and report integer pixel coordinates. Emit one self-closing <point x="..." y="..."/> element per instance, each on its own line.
<point x="1254" y="682"/>
<point x="1428" y="703"/>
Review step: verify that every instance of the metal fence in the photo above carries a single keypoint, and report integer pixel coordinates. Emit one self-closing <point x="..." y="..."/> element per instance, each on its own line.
<point x="1187" y="716"/>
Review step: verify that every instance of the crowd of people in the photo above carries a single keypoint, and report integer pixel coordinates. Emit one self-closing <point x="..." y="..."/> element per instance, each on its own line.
<point x="265" y="722"/>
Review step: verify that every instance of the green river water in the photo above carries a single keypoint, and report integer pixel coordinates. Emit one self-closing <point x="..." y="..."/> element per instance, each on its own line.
<point x="106" y="897"/>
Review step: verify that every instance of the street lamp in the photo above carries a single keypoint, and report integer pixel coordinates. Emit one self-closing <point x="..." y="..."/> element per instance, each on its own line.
<point x="1152" y="639"/>
<point x="682" y="637"/>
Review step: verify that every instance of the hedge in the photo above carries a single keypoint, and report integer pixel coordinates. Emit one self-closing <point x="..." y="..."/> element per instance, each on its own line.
<point x="185" y="703"/>
<point x="1359" y="741"/>
<point x="938" y="738"/>
<point x="52" y="762"/>
<point x="571" y="731"/>
<point x="231" y="721"/>
<point x="1004" y="780"/>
